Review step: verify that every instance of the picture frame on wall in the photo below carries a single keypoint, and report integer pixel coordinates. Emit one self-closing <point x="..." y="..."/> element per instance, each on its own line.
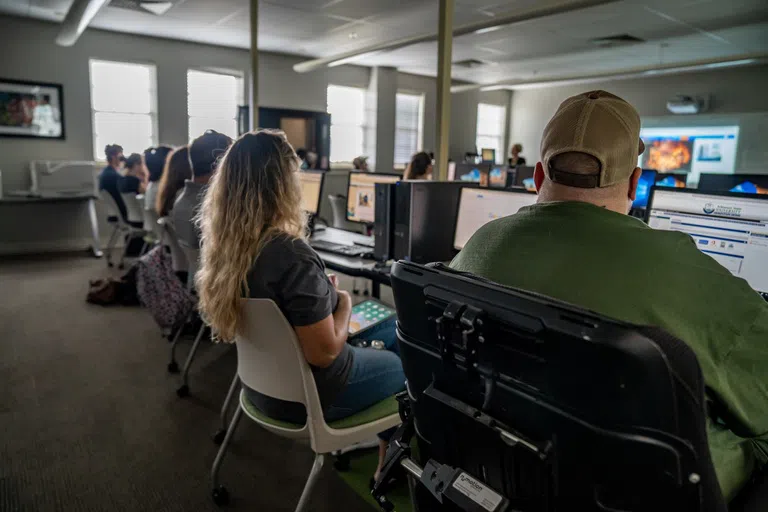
<point x="31" y="109"/>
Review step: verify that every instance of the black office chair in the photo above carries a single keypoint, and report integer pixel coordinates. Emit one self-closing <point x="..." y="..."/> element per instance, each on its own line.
<point x="523" y="403"/>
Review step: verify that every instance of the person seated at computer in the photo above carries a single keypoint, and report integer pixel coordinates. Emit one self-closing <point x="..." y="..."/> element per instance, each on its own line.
<point x="204" y="154"/>
<point x="303" y="156"/>
<point x="254" y="245"/>
<point x="514" y="155"/>
<point x="135" y="178"/>
<point x="110" y="175"/>
<point x="360" y="163"/>
<point x="177" y="170"/>
<point x="420" y="167"/>
<point x="578" y="244"/>
<point x="154" y="160"/>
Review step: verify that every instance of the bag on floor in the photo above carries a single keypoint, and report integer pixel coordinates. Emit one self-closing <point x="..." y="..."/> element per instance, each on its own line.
<point x="160" y="291"/>
<point x="109" y="292"/>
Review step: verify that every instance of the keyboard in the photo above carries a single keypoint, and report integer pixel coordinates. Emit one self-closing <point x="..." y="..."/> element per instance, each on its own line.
<point x="354" y="251"/>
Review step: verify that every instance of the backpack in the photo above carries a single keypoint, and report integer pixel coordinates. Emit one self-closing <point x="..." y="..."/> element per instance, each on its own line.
<point x="108" y="292"/>
<point x="160" y="291"/>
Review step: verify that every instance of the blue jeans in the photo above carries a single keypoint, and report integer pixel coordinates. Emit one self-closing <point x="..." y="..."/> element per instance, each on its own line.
<point x="375" y="374"/>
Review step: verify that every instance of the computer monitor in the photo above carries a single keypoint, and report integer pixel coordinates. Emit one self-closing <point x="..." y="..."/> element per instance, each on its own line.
<point x="671" y="180"/>
<point x="730" y="227"/>
<point x="472" y="173"/>
<point x="477" y="207"/>
<point x="451" y="171"/>
<point x="744" y="183"/>
<point x="644" y="186"/>
<point x="499" y="177"/>
<point x="361" y="194"/>
<point x="488" y="155"/>
<point x="524" y="177"/>
<point x="311" y="190"/>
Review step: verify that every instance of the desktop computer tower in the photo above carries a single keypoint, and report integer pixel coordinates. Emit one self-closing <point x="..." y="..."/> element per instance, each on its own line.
<point x="425" y="219"/>
<point x="384" y="221"/>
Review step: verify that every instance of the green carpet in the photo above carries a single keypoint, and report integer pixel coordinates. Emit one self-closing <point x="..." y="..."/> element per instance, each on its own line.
<point x="362" y="466"/>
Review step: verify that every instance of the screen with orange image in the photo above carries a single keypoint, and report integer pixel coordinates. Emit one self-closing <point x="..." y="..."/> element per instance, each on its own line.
<point x="691" y="150"/>
<point x="361" y="193"/>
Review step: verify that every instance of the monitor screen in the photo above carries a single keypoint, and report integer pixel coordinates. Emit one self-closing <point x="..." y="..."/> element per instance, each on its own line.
<point x="744" y="183"/>
<point x="732" y="229"/>
<point x="497" y="178"/>
<point x="311" y="190"/>
<point x="478" y="207"/>
<point x="670" y="180"/>
<point x="488" y="155"/>
<point x="361" y="193"/>
<point x="473" y="173"/>
<point x="691" y="150"/>
<point x="644" y="185"/>
<point x="451" y="171"/>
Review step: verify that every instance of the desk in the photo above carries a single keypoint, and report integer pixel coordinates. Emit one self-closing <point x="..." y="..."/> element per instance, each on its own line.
<point x="355" y="267"/>
<point x="52" y="197"/>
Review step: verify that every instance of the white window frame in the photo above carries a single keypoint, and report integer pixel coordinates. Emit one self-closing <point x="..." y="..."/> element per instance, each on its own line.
<point x="362" y="127"/>
<point x="98" y="152"/>
<point x="239" y="99"/>
<point x="419" y="127"/>
<point x="482" y="131"/>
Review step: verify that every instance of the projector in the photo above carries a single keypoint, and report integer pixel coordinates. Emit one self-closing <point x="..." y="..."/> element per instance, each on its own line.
<point x="682" y="104"/>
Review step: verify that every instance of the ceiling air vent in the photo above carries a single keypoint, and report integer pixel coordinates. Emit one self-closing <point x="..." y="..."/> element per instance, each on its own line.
<point x="472" y="63"/>
<point x="617" y="40"/>
<point x="151" y="6"/>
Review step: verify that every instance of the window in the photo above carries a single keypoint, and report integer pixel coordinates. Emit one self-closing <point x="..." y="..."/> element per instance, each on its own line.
<point x="212" y="101"/>
<point x="409" y="126"/>
<point x="123" y="105"/>
<point x="347" y="108"/>
<point x="490" y="128"/>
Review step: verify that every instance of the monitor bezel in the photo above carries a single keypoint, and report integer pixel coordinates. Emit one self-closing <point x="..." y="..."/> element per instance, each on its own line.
<point x="509" y="190"/>
<point x="320" y="195"/>
<point x="349" y="182"/>
<point x="759" y="197"/>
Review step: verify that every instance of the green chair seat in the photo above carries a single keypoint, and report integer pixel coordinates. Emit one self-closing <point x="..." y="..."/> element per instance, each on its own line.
<point x="379" y="410"/>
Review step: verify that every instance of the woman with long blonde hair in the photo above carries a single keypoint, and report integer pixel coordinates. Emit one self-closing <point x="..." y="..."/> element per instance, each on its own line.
<point x="253" y="245"/>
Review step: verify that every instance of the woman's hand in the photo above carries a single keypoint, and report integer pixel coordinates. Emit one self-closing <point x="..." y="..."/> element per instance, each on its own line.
<point x="334" y="279"/>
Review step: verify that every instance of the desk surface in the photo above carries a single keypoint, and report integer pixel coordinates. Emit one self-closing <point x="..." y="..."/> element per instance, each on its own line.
<point x="46" y="197"/>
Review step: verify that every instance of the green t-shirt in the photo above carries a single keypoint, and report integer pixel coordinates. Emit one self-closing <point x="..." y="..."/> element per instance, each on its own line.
<point x="617" y="266"/>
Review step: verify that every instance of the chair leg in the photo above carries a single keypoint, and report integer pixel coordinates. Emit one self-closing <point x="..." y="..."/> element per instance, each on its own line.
<point x="219" y="435"/>
<point x="184" y="389"/>
<point x="317" y="465"/>
<point x="144" y="249"/>
<point x="110" y="245"/>
<point x="126" y="242"/>
<point x="173" y="366"/>
<point x="220" y="495"/>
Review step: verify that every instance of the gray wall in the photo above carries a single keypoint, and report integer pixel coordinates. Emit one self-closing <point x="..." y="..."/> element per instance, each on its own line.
<point x="29" y="53"/>
<point x="737" y="97"/>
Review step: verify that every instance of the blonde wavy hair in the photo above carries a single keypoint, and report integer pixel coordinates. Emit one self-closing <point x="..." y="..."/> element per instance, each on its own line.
<point x="253" y="197"/>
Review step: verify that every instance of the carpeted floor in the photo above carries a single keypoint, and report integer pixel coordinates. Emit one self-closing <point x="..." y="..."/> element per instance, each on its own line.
<point x="89" y="418"/>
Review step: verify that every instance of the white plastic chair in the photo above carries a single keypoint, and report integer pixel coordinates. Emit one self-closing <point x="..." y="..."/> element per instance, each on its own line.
<point x="120" y="227"/>
<point x="149" y="217"/>
<point x="169" y="238"/>
<point x="271" y="362"/>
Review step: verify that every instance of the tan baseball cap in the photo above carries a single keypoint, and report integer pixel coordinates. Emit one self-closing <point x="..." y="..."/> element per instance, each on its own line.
<point x="597" y="123"/>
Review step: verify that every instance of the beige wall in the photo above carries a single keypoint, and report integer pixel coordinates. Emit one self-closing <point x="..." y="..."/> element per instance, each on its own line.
<point x="29" y="53"/>
<point x="737" y="97"/>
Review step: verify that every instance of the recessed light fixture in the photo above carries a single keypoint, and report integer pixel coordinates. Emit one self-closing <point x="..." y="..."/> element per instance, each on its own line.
<point x="352" y="35"/>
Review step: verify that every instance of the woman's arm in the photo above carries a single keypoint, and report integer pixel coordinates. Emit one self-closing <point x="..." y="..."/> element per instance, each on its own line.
<point x="323" y="341"/>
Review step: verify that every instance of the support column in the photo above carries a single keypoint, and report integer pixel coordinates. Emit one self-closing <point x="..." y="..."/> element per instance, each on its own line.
<point x="444" y="54"/>
<point x="254" y="92"/>
<point x="383" y="91"/>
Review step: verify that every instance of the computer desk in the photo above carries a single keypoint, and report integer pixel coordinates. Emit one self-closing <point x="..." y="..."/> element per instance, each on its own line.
<point x="54" y="197"/>
<point x="354" y="267"/>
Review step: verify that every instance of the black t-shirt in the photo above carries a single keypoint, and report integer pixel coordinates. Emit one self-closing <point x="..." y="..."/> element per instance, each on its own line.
<point x="108" y="181"/>
<point x="128" y="184"/>
<point x="290" y="273"/>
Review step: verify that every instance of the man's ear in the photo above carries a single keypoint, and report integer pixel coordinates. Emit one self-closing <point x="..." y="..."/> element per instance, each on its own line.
<point x="538" y="176"/>
<point x="633" y="180"/>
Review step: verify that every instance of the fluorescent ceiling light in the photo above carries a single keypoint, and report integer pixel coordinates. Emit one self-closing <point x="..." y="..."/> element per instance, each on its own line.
<point x="728" y="64"/>
<point x="158" y="8"/>
<point x="489" y="29"/>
